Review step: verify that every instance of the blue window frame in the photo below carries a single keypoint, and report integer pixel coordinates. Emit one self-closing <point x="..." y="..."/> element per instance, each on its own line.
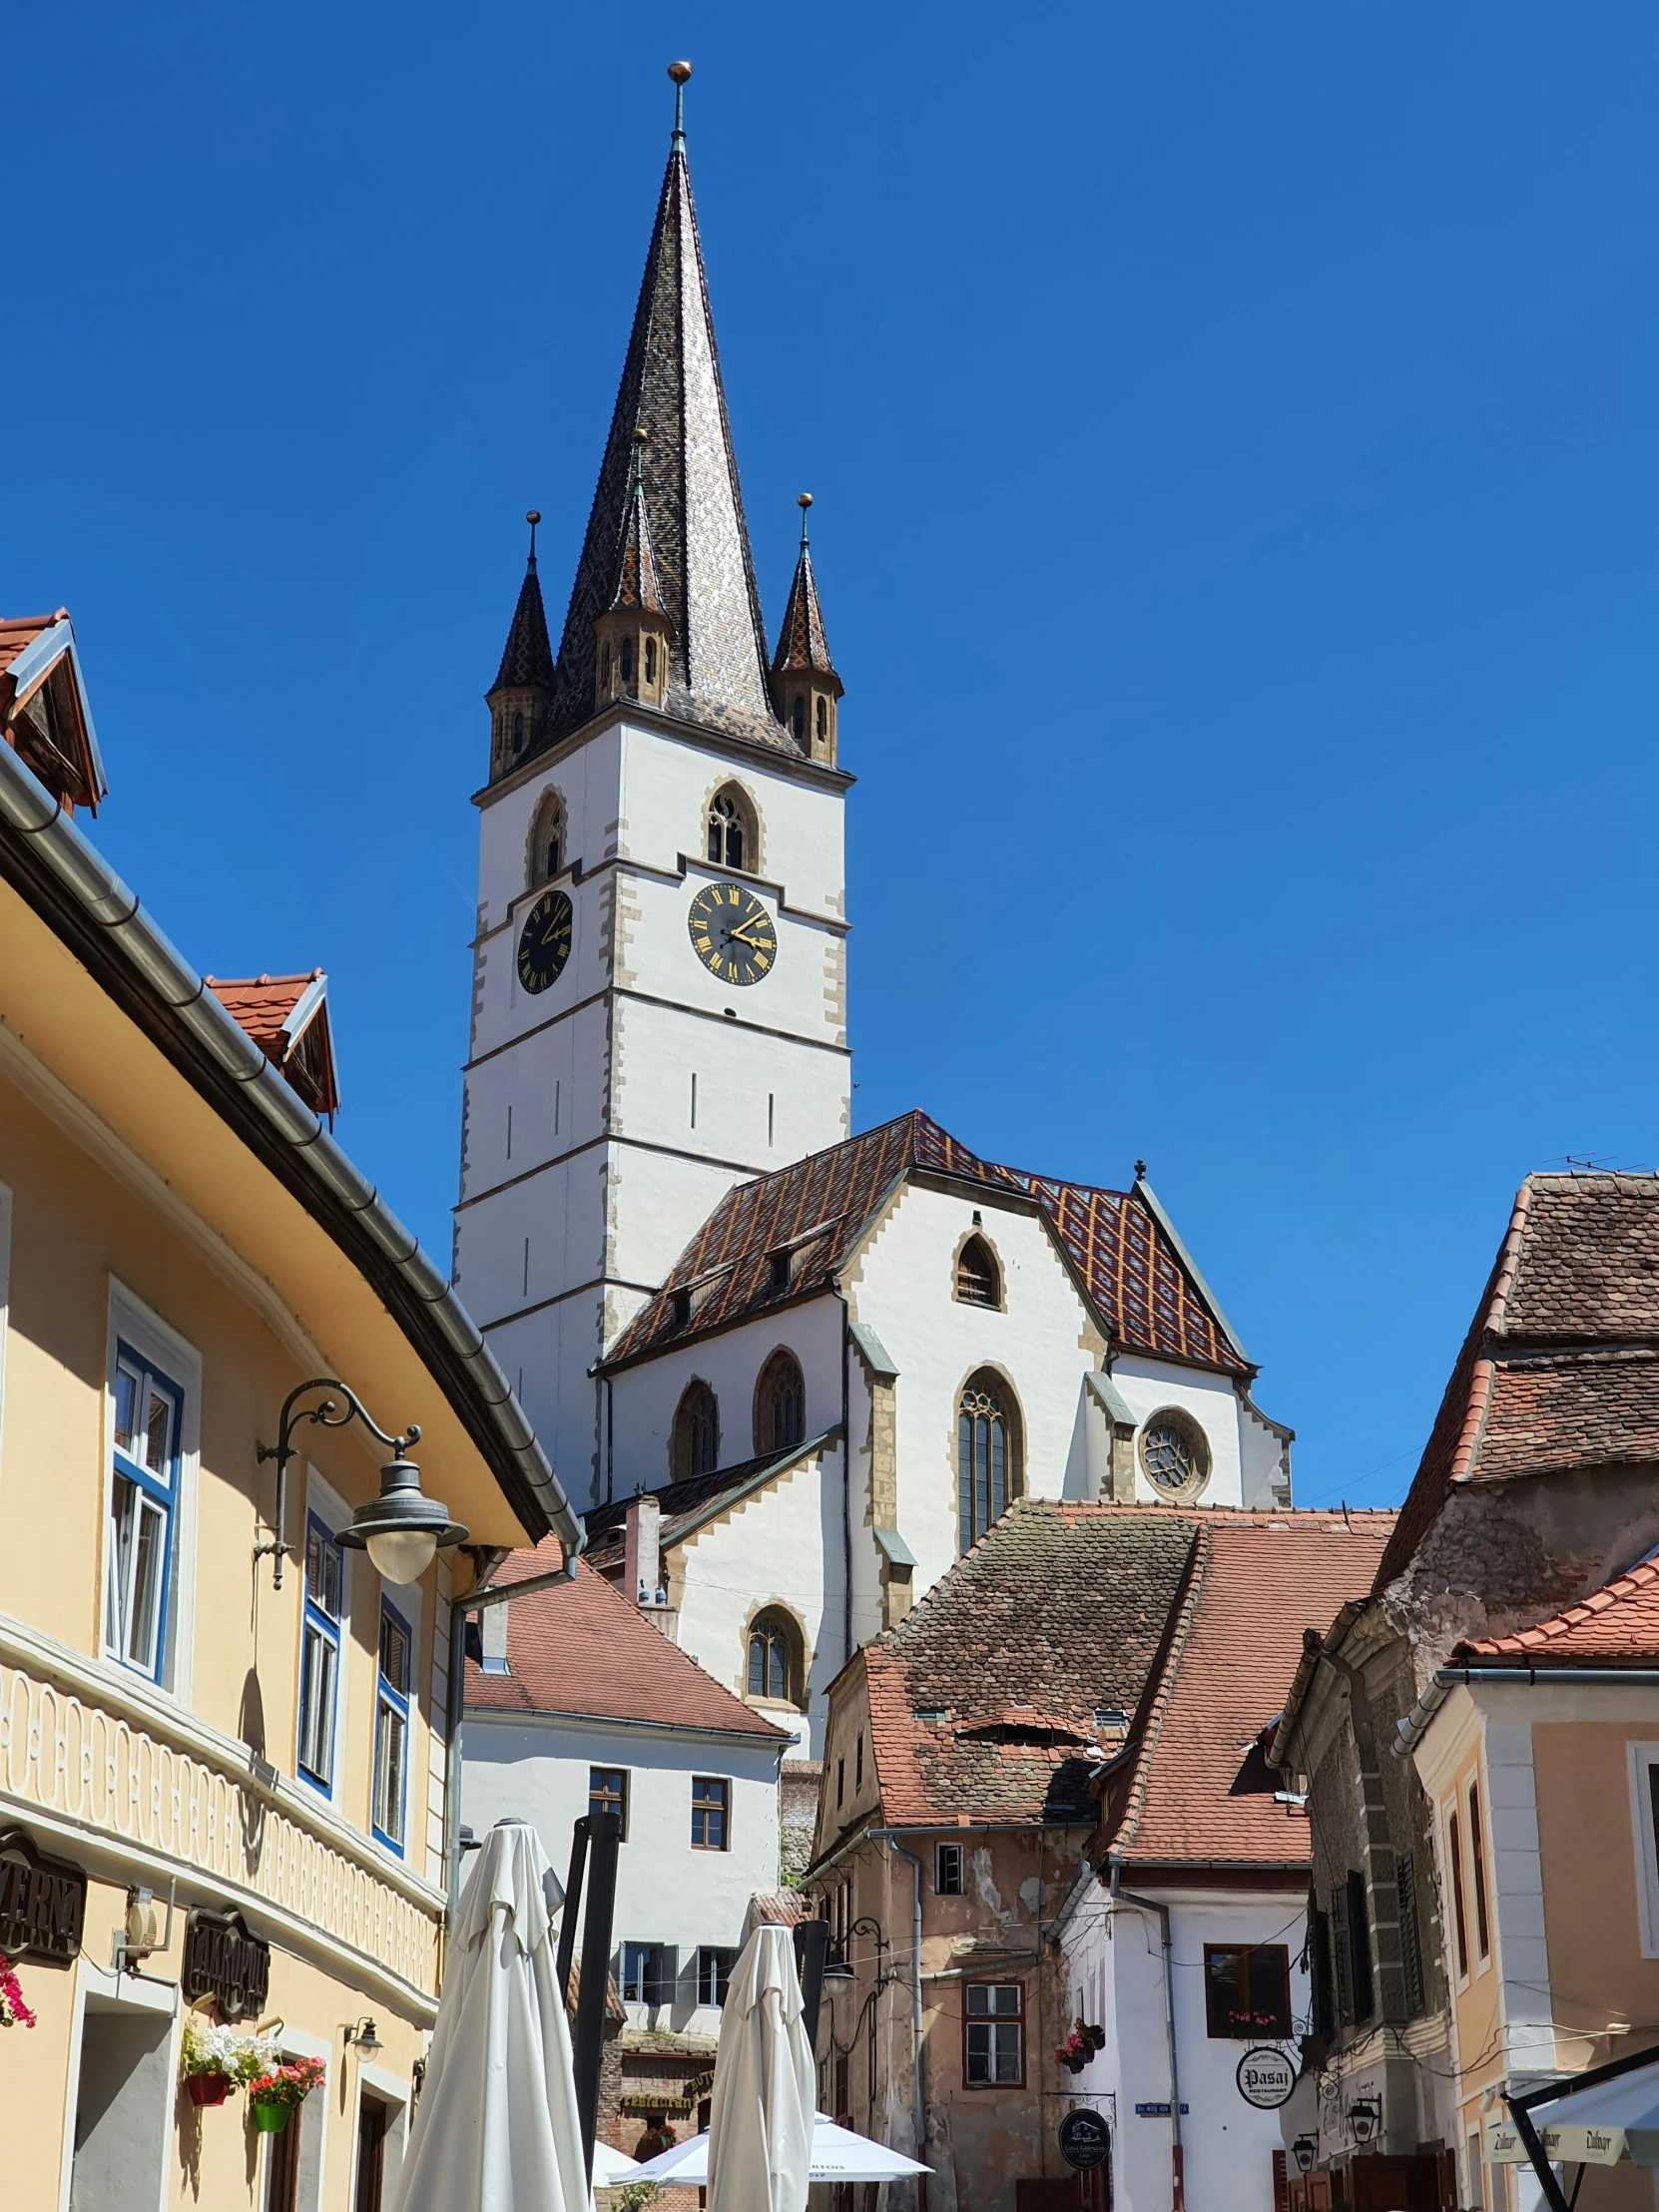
<point x="391" y="1729"/>
<point x="143" y="1493"/>
<point x="319" y="1639"/>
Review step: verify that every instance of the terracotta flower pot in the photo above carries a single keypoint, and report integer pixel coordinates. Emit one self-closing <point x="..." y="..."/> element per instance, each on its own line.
<point x="208" y="2088"/>
<point x="270" y="2119"/>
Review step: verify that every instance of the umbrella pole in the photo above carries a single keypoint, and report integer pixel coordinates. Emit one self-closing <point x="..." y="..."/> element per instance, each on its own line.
<point x="604" y="1840"/>
<point x="573" y="1905"/>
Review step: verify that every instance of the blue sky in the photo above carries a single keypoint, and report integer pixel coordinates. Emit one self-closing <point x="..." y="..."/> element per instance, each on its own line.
<point x="1233" y="433"/>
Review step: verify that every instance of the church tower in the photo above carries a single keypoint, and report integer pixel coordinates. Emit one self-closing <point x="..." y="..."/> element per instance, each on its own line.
<point x="659" y="966"/>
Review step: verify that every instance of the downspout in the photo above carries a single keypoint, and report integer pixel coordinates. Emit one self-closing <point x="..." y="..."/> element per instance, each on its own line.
<point x="1121" y="1896"/>
<point x="846" y="1478"/>
<point x="917" y="2116"/>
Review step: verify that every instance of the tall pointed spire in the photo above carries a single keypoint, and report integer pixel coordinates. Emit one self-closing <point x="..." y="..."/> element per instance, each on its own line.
<point x="689" y="496"/>
<point x="805" y="685"/>
<point x="518" y="700"/>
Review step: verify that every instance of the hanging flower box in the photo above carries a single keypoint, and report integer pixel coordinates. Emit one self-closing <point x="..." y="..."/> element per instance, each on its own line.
<point x="274" y="2096"/>
<point x="208" y="2088"/>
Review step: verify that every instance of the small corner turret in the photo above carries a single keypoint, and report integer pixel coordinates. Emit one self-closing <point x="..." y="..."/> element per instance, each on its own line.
<point x="522" y="692"/>
<point x="805" y="685"/>
<point x="633" y="635"/>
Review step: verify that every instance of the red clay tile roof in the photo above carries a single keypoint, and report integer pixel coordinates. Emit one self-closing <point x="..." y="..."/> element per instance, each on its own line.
<point x="1561" y="1368"/>
<point x="1617" y="1627"/>
<point x="814" y="1212"/>
<point x="1057" y="1612"/>
<point x="262" y="1006"/>
<point x="1196" y="1787"/>
<point x="19" y="631"/>
<point x="580" y="1648"/>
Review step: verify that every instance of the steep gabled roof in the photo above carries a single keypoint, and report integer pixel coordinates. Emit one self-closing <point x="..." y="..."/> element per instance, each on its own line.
<point x="1196" y="1788"/>
<point x="1617" y="1627"/>
<point x="45" y="716"/>
<point x="1559" y="1371"/>
<point x="686" y="1505"/>
<point x="813" y="1213"/>
<point x="1058" y="1612"/>
<point x="579" y="1648"/>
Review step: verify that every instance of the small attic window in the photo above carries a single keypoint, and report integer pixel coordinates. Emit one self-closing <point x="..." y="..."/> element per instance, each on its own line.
<point x="781" y="1271"/>
<point x="682" y="1307"/>
<point x="977" y="1278"/>
<point x="1110" y="1716"/>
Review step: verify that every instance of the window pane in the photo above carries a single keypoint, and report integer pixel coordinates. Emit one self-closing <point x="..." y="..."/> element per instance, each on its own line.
<point x="122" y="1500"/>
<point x="982" y="1475"/>
<point x="978" y="1997"/>
<point x="388" y="1773"/>
<point x="1007" y="2055"/>
<point x="148" y="1568"/>
<point x="1221" y="1987"/>
<point x="999" y="1496"/>
<point x="158" y="1437"/>
<point x="1268" y="1977"/>
<point x="775" y="1681"/>
<point x="1005" y="1999"/>
<point x="394" y="1653"/>
<point x="757" y="1666"/>
<point x="126" y="1403"/>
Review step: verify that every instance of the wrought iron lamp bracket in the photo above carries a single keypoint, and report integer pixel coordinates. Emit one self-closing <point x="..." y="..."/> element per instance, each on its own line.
<point x="328" y="1414"/>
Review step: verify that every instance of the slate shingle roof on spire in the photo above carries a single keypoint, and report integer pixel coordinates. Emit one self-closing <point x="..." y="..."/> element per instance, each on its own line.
<point x="527" y="661"/>
<point x="670" y="388"/>
<point x="1132" y="1274"/>
<point x="636" y="583"/>
<point x="801" y="642"/>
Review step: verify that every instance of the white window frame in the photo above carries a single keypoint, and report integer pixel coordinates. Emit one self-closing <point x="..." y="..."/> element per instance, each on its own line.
<point x="136" y="1324"/>
<point x="323" y="1503"/>
<point x="408" y="1704"/>
<point x="1474" y="1840"/>
<point x="395" y="2094"/>
<point x="1640" y="1757"/>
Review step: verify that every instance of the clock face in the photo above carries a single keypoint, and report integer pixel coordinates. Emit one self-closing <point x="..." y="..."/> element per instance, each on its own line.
<point x="544" y="941"/>
<point x="732" y="933"/>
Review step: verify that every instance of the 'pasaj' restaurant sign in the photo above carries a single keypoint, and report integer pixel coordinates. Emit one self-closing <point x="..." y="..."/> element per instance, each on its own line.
<point x="224" y="1961"/>
<point x="43" y="1901"/>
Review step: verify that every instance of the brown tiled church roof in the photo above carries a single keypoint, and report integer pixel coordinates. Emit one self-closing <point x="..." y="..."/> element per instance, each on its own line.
<point x="1561" y="1368"/>
<point x="784" y="1237"/>
<point x="579" y="1647"/>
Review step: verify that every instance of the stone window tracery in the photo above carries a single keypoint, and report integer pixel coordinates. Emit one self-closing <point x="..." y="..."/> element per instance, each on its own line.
<point x="695" y="1446"/>
<point x="987" y="1455"/>
<point x="734" y="840"/>
<point x="547" y="841"/>
<point x="978" y="1278"/>
<point x="779" y="1404"/>
<point x="775" y="1657"/>
<point x="1175" y="1454"/>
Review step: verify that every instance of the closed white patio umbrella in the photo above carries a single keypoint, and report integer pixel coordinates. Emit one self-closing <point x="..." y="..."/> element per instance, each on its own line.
<point x="836" y="2155"/>
<point x="498" y="2128"/>
<point x="761" y="2107"/>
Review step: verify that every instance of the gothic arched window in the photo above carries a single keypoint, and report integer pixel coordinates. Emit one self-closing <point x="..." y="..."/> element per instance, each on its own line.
<point x="733" y="842"/>
<point x="627" y="660"/>
<point x="798" y="719"/>
<point x="695" y="1446"/>
<point x="518" y="733"/>
<point x="987" y="1455"/>
<point x="547" y="839"/>
<point x="779" y="1404"/>
<point x="978" y="1278"/>
<point x="651" y="660"/>
<point x="823" y="720"/>
<point x="775" y="1657"/>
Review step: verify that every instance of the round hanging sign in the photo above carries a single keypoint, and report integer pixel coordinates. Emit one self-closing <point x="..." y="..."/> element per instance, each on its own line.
<point x="1085" y="2140"/>
<point x="1265" y="2077"/>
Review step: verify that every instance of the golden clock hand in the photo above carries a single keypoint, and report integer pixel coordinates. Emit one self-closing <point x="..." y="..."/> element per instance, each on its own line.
<point x="741" y="929"/>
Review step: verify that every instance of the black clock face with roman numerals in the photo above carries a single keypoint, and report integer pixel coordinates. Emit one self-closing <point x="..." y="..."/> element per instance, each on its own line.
<point x="732" y="933"/>
<point x="544" y="941"/>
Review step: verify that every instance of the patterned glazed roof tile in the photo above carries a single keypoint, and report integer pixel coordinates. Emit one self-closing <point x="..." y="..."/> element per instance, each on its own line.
<point x="670" y="388"/>
<point x="1197" y="1787"/>
<point x="1560" y="1367"/>
<point x="580" y="1648"/>
<point x="1618" y="1626"/>
<point x="802" y="643"/>
<point x="814" y="1212"/>
<point x="527" y="657"/>
<point x="635" y="584"/>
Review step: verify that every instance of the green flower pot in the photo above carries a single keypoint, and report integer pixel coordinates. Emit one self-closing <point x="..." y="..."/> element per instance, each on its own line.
<point x="270" y="2119"/>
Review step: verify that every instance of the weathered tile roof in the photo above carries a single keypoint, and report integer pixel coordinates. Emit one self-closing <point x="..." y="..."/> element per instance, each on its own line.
<point x="812" y="1215"/>
<point x="1057" y="1612"/>
<point x="579" y="1647"/>
<point x="1560" y="1367"/>
<point x="802" y="644"/>
<point x="684" y="1505"/>
<point x="1195" y="1786"/>
<point x="1617" y="1627"/>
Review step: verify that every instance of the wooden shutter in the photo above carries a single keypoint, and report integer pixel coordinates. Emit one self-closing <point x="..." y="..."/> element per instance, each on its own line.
<point x="1342" y="1953"/>
<point x="1410" y="1938"/>
<point x="1358" y="1940"/>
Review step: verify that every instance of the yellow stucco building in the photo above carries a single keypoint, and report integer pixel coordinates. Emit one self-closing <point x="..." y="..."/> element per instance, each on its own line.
<point x="214" y="1791"/>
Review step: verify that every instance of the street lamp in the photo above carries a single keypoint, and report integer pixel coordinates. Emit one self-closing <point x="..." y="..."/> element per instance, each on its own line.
<point x="1365" y="2116"/>
<point x="1304" y="2150"/>
<point x="365" y="2037"/>
<point x="839" y="1968"/>
<point x="401" y="1530"/>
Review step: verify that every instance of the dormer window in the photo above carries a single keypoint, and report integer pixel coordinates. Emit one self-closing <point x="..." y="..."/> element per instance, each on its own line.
<point x="978" y="1279"/>
<point x="779" y="1271"/>
<point x="682" y="1307"/>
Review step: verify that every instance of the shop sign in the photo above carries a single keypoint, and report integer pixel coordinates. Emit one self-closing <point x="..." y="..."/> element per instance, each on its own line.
<point x="224" y="1961"/>
<point x="43" y="1901"/>
<point x="1266" y="2078"/>
<point x="1085" y="2140"/>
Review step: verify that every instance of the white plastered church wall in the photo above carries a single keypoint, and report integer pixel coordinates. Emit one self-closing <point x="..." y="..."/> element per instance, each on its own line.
<point x="1148" y="1385"/>
<point x="644" y="1398"/>
<point x="667" y="1892"/>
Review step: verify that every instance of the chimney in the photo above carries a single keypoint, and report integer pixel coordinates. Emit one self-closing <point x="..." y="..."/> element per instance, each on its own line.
<point x="642" y="1569"/>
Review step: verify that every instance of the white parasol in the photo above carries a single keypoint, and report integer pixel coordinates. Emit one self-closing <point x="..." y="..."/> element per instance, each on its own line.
<point x="761" y="2107"/>
<point x="836" y="2155"/>
<point x="612" y="2168"/>
<point x="497" y="2127"/>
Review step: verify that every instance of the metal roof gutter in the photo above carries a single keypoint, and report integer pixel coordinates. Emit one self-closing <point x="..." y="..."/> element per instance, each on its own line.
<point x="1410" y="1730"/>
<point x="66" y="881"/>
